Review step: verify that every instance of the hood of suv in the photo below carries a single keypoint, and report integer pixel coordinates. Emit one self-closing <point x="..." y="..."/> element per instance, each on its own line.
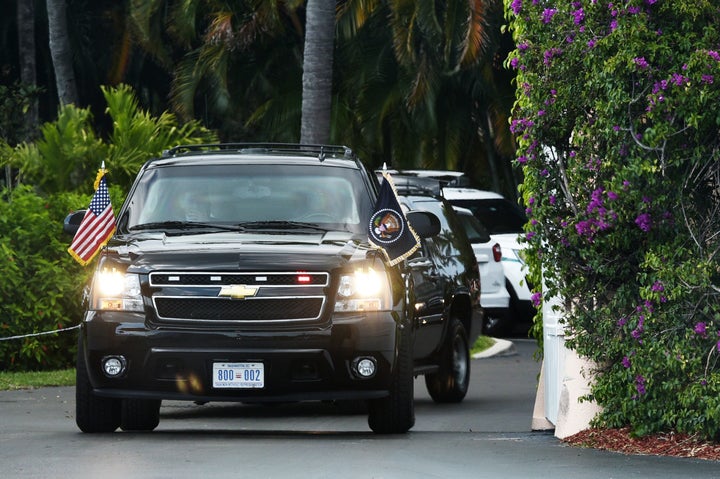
<point x="227" y="250"/>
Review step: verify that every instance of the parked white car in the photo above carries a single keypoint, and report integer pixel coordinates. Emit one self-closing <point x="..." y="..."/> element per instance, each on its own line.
<point x="504" y="220"/>
<point x="494" y="296"/>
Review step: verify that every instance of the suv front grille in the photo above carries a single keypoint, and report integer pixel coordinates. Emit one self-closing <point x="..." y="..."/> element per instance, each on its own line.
<point x="238" y="298"/>
<point x="223" y="309"/>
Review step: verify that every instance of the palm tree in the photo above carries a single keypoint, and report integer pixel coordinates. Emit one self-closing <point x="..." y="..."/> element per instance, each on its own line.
<point x="61" y="53"/>
<point x="236" y="65"/>
<point x="430" y="100"/>
<point x="317" y="78"/>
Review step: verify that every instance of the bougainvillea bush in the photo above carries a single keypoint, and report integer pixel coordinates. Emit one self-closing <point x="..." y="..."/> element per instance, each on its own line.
<point x="617" y="121"/>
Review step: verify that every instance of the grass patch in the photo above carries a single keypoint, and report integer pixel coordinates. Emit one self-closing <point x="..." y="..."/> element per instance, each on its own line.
<point x="481" y="344"/>
<point x="10" y="381"/>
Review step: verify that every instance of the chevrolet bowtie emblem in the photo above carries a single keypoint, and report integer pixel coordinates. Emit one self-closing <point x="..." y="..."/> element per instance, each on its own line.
<point x="238" y="291"/>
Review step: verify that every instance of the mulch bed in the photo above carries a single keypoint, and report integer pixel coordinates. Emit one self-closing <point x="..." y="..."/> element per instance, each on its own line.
<point x="662" y="444"/>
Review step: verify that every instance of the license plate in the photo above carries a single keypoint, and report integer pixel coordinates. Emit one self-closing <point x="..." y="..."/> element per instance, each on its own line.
<point x="239" y="375"/>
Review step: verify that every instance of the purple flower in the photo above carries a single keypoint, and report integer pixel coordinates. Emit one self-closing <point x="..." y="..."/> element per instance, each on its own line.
<point x="536" y="298"/>
<point x="516" y="6"/>
<point x="578" y="16"/>
<point x="708" y="79"/>
<point x="622" y="321"/>
<point x="641" y="63"/>
<point x="552" y="199"/>
<point x="640" y="384"/>
<point x="700" y="329"/>
<point x="612" y="196"/>
<point x="550" y="54"/>
<point x="644" y="222"/>
<point x="657" y="287"/>
<point x="714" y="55"/>
<point x="529" y="235"/>
<point x="595" y="201"/>
<point x="679" y="79"/>
<point x="548" y="14"/>
<point x="626" y="362"/>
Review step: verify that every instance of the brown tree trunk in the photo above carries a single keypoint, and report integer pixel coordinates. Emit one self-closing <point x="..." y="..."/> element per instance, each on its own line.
<point x="317" y="71"/>
<point x="61" y="52"/>
<point x="26" y="51"/>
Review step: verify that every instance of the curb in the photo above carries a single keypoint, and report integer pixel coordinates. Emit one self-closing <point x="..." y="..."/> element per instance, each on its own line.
<point x="502" y="347"/>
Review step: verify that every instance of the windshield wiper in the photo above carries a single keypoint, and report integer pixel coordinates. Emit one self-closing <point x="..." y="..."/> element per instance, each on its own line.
<point x="280" y="224"/>
<point x="185" y="225"/>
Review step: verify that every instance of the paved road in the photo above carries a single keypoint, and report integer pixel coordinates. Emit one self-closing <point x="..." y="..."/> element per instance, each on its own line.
<point x="487" y="436"/>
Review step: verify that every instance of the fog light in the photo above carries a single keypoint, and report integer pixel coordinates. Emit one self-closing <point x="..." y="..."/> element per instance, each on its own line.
<point x="113" y="366"/>
<point x="365" y="367"/>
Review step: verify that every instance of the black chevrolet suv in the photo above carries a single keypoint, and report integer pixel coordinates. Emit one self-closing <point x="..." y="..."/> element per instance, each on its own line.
<point x="244" y="273"/>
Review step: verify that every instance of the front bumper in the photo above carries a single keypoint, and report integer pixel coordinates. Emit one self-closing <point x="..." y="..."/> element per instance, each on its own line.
<point x="300" y="364"/>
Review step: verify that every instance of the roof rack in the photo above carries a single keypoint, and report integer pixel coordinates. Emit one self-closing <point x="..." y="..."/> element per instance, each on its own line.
<point x="321" y="151"/>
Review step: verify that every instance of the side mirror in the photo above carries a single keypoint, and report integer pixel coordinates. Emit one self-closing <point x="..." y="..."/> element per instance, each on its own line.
<point x="72" y="222"/>
<point x="424" y="223"/>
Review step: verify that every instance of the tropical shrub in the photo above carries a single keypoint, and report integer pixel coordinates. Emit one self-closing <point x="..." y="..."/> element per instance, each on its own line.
<point x="617" y="127"/>
<point x="69" y="152"/>
<point x="41" y="285"/>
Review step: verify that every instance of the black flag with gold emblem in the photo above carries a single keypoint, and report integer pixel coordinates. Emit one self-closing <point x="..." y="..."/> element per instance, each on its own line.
<point x="389" y="230"/>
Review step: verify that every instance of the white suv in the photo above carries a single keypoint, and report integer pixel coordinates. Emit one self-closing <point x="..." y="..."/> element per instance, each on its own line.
<point x="504" y="220"/>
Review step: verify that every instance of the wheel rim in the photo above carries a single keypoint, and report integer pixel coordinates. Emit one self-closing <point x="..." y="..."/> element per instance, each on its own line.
<point x="460" y="361"/>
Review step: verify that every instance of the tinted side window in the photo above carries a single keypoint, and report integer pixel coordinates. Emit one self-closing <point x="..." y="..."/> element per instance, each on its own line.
<point x="499" y="216"/>
<point x="476" y="232"/>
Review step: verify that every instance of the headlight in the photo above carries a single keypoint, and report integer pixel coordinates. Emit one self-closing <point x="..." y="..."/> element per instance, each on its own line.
<point x="114" y="290"/>
<point x="363" y="290"/>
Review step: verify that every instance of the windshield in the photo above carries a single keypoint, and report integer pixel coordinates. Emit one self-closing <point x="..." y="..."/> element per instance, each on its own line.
<point x="499" y="216"/>
<point x="251" y="196"/>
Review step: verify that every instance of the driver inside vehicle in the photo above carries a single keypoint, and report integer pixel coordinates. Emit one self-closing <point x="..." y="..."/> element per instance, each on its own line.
<point x="194" y="206"/>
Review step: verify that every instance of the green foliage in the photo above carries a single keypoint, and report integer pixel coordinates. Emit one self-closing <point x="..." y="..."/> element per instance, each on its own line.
<point x="41" y="285"/>
<point x="65" y="155"/>
<point x="137" y="136"/>
<point x="68" y="153"/>
<point x="15" y="101"/>
<point x="618" y="139"/>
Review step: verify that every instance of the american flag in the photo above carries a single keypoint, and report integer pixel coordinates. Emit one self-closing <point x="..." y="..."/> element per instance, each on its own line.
<point x="97" y="226"/>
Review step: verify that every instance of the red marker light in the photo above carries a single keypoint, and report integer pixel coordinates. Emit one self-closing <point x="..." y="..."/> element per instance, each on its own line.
<point x="303" y="278"/>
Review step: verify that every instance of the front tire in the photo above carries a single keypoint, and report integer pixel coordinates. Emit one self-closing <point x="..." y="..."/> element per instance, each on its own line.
<point x="140" y="414"/>
<point x="450" y="384"/>
<point x="395" y="414"/>
<point x="92" y="413"/>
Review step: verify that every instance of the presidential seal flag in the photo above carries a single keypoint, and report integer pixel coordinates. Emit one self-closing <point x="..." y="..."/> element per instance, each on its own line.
<point x="389" y="230"/>
<point x="97" y="226"/>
